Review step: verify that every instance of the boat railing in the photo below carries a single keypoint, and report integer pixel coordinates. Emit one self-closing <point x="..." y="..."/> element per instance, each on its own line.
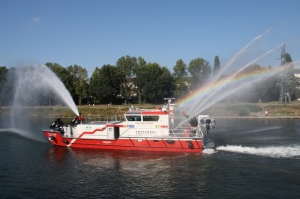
<point x="173" y="133"/>
<point x="183" y="132"/>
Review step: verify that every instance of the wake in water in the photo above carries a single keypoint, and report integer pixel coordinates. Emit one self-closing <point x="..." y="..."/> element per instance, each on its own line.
<point x="272" y="151"/>
<point x="21" y="133"/>
<point x="209" y="151"/>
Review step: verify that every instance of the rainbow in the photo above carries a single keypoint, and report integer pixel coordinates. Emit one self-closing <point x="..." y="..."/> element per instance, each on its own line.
<point x="237" y="79"/>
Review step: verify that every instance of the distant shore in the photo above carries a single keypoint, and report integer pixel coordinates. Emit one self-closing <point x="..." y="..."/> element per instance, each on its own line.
<point x="220" y="110"/>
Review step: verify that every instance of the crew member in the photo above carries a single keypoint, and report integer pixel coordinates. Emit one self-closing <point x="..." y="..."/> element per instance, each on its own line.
<point x="80" y="119"/>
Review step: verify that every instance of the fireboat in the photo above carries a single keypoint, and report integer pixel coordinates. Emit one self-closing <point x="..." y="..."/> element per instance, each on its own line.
<point x="140" y="130"/>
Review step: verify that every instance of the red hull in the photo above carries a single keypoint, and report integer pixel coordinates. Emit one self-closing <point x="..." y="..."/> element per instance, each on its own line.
<point x="135" y="144"/>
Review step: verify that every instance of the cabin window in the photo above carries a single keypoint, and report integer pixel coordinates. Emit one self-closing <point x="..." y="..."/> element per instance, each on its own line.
<point x="150" y="117"/>
<point x="133" y="118"/>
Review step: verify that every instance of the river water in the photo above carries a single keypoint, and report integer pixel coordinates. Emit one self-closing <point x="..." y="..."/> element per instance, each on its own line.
<point x="254" y="158"/>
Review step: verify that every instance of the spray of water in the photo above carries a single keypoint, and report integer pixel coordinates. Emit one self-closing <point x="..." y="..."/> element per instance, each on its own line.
<point x="215" y="97"/>
<point x="36" y="81"/>
<point x="35" y="85"/>
<point x="241" y="52"/>
<point x="22" y="133"/>
<point x="213" y="94"/>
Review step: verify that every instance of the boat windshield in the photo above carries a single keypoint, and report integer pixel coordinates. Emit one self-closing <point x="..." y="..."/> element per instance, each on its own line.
<point x="133" y="117"/>
<point x="150" y="118"/>
<point x="142" y="118"/>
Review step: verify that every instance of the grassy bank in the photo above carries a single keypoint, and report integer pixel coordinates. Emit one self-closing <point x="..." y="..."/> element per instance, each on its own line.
<point x="274" y="109"/>
<point x="65" y="112"/>
<point x="219" y="110"/>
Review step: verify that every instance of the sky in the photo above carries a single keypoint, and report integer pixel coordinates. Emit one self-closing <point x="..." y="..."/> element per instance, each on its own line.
<point x="92" y="33"/>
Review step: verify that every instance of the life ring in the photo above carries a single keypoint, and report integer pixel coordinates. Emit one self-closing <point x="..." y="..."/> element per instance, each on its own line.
<point x="186" y="133"/>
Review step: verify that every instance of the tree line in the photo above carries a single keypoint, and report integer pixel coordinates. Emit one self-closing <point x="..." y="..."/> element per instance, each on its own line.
<point x="133" y="80"/>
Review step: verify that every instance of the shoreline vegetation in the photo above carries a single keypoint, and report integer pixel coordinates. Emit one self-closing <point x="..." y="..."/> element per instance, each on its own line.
<point x="105" y="112"/>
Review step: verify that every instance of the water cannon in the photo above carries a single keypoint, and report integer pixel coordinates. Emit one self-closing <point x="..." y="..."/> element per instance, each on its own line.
<point x="185" y="115"/>
<point x="193" y="122"/>
<point x="206" y="123"/>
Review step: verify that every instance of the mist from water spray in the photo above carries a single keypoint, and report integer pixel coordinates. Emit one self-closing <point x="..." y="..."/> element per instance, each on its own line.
<point x="212" y="93"/>
<point x="35" y="85"/>
<point x="241" y="52"/>
<point x="227" y="66"/>
<point x="238" y="88"/>
<point x="23" y="133"/>
<point x="213" y="97"/>
<point x="34" y="81"/>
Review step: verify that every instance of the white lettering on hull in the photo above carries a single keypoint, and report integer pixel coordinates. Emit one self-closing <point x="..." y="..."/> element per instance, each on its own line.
<point x="145" y="133"/>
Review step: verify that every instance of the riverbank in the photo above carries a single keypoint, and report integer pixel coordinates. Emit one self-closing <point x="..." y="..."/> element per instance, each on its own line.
<point x="220" y="110"/>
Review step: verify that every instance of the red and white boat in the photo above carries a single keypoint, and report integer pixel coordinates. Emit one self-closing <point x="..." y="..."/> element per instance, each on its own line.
<point x="140" y="130"/>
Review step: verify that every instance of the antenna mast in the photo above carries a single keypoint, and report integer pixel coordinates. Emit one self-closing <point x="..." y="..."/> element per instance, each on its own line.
<point x="284" y="97"/>
<point x="282" y="57"/>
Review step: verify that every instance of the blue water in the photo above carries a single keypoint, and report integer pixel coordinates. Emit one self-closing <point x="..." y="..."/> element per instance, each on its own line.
<point x="254" y="158"/>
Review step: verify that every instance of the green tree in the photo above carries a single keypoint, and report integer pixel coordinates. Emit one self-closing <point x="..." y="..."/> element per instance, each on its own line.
<point x="64" y="75"/>
<point x="154" y="82"/>
<point x="79" y="78"/>
<point x="61" y="72"/>
<point x="286" y="58"/>
<point x="73" y="77"/>
<point x="106" y="81"/>
<point x="180" y="77"/>
<point x="3" y="73"/>
<point x="200" y="71"/>
<point x="251" y="92"/>
<point x="8" y="86"/>
<point x="141" y="80"/>
<point x="267" y="89"/>
<point x="95" y="83"/>
<point x="166" y="83"/>
<point x="83" y="86"/>
<point x="141" y="63"/>
<point x="127" y="65"/>
<point x="217" y="65"/>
